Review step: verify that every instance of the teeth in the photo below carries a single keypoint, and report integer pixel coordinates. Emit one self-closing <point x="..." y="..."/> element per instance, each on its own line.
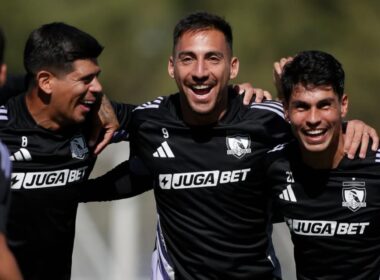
<point x="201" y="87"/>
<point x="87" y="102"/>
<point x="314" y="132"/>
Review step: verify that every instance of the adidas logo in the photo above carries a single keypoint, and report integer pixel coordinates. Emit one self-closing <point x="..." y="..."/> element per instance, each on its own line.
<point x="164" y="151"/>
<point x="21" y="155"/>
<point x="288" y="194"/>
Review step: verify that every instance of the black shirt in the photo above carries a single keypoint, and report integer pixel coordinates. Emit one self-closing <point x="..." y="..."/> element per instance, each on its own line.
<point x="333" y="215"/>
<point x="208" y="185"/>
<point x="48" y="168"/>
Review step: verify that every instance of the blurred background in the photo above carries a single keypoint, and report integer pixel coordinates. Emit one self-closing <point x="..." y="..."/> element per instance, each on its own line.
<point x="114" y="240"/>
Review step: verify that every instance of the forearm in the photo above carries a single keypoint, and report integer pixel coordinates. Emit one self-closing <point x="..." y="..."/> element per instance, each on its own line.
<point x="118" y="183"/>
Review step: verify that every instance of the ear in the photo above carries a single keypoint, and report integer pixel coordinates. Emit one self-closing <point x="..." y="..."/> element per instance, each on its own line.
<point x="171" y="67"/>
<point x="234" y="70"/>
<point x="344" y="105"/>
<point x="3" y="74"/>
<point x="45" y="80"/>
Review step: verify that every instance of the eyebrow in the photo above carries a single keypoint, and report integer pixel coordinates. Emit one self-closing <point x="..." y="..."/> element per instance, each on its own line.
<point x="301" y="102"/>
<point x="191" y="53"/>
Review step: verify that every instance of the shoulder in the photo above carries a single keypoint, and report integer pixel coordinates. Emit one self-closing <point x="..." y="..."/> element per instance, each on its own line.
<point x="150" y="106"/>
<point x="370" y="162"/>
<point x="267" y="120"/>
<point x="278" y="153"/>
<point x="161" y="108"/>
<point x="12" y="108"/>
<point x="267" y="113"/>
<point x="268" y="107"/>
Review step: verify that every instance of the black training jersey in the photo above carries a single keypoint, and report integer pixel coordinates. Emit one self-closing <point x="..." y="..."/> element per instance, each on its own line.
<point x="5" y="172"/>
<point x="47" y="169"/>
<point x="208" y="185"/>
<point x="333" y="215"/>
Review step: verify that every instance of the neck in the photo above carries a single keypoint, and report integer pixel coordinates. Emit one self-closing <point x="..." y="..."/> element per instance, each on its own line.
<point x="193" y="118"/>
<point x="327" y="159"/>
<point x="38" y="106"/>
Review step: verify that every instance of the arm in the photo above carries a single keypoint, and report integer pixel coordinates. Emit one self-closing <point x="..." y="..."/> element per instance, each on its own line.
<point x="104" y="123"/>
<point x="8" y="268"/>
<point x="128" y="179"/>
<point x="278" y="67"/>
<point x="110" y="120"/>
<point x="358" y="134"/>
<point x="252" y="94"/>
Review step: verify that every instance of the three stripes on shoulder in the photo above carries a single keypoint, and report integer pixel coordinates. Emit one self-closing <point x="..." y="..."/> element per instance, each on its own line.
<point x="270" y="105"/>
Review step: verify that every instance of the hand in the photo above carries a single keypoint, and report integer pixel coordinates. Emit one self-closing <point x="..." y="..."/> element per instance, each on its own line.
<point x="358" y="134"/>
<point x="104" y="122"/>
<point x="278" y="68"/>
<point x="252" y="94"/>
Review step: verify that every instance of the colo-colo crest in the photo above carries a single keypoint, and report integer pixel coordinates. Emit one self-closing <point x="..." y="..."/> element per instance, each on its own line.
<point x="354" y="195"/>
<point x="238" y="145"/>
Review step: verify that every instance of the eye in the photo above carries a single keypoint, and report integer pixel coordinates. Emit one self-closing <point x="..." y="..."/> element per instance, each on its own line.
<point x="300" y="107"/>
<point x="214" y="59"/>
<point x="324" y="105"/>
<point x="186" y="59"/>
<point x="88" y="79"/>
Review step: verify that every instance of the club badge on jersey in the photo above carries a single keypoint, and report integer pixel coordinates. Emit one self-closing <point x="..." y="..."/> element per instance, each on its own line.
<point x="354" y="195"/>
<point x="78" y="147"/>
<point x="238" y="145"/>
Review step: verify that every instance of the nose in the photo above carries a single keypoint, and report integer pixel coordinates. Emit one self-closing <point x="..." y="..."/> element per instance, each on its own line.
<point x="313" y="118"/>
<point x="200" y="71"/>
<point x="96" y="86"/>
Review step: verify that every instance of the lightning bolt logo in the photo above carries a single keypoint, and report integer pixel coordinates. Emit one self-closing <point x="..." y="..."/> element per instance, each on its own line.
<point x="165" y="181"/>
<point x="16" y="180"/>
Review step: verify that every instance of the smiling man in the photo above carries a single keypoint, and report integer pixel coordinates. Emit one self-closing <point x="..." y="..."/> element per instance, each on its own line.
<point x="202" y="73"/>
<point x="47" y="131"/>
<point x="330" y="203"/>
<point x="201" y="151"/>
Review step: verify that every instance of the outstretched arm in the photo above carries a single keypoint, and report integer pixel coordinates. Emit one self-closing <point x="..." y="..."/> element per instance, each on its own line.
<point x="125" y="180"/>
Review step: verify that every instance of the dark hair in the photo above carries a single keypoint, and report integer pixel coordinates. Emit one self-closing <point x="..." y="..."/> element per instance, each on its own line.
<point x="313" y="69"/>
<point x="55" y="46"/>
<point x="2" y="46"/>
<point x="202" y="21"/>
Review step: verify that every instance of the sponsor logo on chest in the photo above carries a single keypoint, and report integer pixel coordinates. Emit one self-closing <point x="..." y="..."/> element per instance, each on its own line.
<point x="325" y="228"/>
<point x="201" y="179"/>
<point x="56" y="178"/>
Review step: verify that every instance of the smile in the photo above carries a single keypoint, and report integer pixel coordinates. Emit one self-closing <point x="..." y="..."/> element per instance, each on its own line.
<point x="315" y="132"/>
<point x="201" y="89"/>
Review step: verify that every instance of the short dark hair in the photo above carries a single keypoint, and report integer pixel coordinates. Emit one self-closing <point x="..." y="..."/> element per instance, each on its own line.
<point x="313" y="69"/>
<point x="2" y="46"/>
<point x="202" y="21"/>
<point x="55" y="46"/>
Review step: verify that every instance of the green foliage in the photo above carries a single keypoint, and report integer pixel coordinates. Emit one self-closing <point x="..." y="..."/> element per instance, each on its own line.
<point x="137" y="39"/>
